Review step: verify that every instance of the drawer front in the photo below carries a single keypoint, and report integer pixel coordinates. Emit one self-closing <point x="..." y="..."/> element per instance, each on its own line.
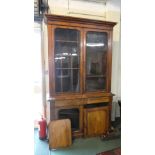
<point x="62" y="103"/>
<point x="98" y="99"/>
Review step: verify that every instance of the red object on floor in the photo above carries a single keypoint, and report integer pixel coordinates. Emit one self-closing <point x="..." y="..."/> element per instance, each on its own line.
<point x="116" y="151"/>
<point x="42" y="128"/>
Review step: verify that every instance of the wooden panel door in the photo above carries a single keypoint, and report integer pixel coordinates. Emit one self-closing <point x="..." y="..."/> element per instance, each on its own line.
<point x="60" y="134"/>
<point x="96" y="121"/>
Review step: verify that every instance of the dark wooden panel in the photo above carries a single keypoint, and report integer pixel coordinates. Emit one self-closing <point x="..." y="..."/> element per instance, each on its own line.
<point x="78" y="22"/>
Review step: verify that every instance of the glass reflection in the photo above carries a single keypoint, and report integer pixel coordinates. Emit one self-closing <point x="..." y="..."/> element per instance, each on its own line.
<point x="96" y="59"/>
<point x="67" y="60"/>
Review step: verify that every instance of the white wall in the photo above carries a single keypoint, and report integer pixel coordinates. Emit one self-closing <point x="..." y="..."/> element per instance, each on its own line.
<point x="113" y="14"/>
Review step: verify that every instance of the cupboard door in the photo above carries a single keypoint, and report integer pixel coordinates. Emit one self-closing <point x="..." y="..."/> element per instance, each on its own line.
<point x="67" y="60"/>
<point x="96" y="121"/>
<point x="96" y="60"/>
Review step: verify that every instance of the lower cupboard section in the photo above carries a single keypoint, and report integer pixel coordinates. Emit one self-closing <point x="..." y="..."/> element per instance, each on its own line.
<point x="87" y="120"/>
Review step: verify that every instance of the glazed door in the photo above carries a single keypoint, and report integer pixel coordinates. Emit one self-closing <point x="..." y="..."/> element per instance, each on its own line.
<point x="67" y="55"/>
<point x="96" y="50"/>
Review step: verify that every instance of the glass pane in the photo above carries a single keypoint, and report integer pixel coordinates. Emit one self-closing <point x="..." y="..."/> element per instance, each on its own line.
<point x="96" y="58"/>
<point x="66" y="34"/>
<point x="67" y="60"/>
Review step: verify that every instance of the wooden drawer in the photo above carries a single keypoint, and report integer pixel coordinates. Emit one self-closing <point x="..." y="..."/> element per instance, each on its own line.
<point x="97" y="100"/>
<point x="62" y="103"/>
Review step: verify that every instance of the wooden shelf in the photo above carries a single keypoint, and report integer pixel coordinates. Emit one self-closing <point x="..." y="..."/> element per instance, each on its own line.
<point x="67" y="41"/>
<point x="94" y="76"/>
<point x="67" y="68"/>
<point x="63" y="76"/>
<point x="70" y="55"/>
